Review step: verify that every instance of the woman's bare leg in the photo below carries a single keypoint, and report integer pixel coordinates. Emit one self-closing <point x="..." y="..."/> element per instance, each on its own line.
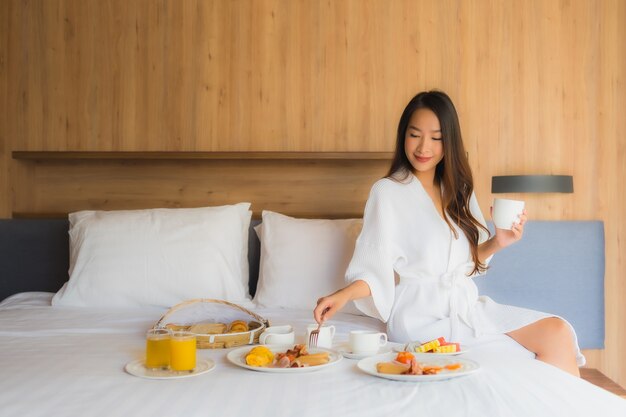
<point x="551" y="340"/>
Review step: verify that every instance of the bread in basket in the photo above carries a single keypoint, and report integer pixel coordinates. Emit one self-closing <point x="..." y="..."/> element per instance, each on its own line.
<point x="216" y="323"/>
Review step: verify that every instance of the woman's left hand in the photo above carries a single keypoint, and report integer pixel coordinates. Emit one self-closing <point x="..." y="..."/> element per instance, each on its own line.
<point x="505" y="237"/>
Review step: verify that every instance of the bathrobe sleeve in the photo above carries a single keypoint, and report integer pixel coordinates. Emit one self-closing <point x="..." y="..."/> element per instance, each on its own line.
<point x="483" y="236"/>
<point x="375" y="253"/>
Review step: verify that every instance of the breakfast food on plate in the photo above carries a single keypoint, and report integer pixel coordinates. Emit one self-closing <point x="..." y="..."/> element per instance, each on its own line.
<point x="438" y="345"/>
<point x="429" y="346"/>
<point x="238" y="326"/>
<point x="259" y="356"/>
<point x="405" y="357"/>
<point x="406" y="364"/>
<point x="298" y="357"/>
<point x="395" y="368"/>
<point x="448" y="348"/>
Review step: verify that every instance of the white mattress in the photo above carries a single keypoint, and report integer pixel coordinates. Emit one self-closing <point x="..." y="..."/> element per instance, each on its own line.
<point x="69" y="362"/>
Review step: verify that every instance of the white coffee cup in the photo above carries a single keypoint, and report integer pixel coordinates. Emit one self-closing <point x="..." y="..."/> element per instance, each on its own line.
<point x="366" y="341"/>
<point x="325" y="338"/>
<point x="279" y="335"/>
<point x="506" y="212"/>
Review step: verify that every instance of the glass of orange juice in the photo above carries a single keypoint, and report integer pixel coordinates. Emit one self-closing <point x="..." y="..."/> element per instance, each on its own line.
<point x="158" y="348"/>
<point x="183" y="351"/>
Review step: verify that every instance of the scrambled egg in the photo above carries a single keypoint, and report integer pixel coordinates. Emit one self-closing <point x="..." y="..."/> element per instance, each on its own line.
<point x="259" y="356"/>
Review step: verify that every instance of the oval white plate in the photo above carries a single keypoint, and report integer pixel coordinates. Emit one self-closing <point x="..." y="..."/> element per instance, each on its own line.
<point x="403" y="348"/>
<point x="344" y="349"/>
<point x="137" y="368"/>
<point x="368" y="365"/>
<point x="238" y="357"/>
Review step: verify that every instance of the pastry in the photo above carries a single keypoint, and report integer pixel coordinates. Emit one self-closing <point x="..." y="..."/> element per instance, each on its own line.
<point x="238" y="326"/>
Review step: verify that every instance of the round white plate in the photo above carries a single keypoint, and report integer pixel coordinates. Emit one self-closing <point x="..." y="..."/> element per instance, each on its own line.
<point x="407" y="348"/>
<point x="344" y="349"/>
<point x="138" y="368"/>
<point x="368" y="365"/>
<point x="238" y="357"/>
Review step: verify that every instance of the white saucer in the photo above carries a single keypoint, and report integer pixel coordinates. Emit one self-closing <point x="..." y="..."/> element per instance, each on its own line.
<point x="138" y="368"/>
<point x="344" y="349"/>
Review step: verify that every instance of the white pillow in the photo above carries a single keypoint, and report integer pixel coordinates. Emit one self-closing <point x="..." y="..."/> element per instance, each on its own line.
<point x="303" y="260"/>
<point x="157" y="257"/>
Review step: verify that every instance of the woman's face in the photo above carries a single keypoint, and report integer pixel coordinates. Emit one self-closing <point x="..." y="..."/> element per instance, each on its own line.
<point x="422" y="142"/>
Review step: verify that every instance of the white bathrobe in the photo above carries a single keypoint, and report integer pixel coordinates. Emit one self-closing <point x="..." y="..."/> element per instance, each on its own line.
<point x="417" y="272"/>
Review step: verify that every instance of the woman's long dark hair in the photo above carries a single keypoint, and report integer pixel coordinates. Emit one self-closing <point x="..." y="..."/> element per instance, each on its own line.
<point x="453" y="173"/>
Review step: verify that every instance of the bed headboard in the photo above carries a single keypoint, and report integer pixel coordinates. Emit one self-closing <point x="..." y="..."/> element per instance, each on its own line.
<point x="558" y="268"/>
<point x="34" y="255"/>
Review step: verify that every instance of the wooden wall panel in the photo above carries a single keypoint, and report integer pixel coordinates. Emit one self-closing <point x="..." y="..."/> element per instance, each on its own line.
<point x="6" y="200"/>
<point x="539" y="86"/>
<point x="609" y="172"/>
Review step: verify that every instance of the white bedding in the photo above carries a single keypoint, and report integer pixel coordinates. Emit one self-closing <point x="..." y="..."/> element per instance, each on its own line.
<point x="60" y="361"/>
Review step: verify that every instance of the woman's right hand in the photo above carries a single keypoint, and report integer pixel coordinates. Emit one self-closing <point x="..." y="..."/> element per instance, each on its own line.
<point x="327" y="306"/>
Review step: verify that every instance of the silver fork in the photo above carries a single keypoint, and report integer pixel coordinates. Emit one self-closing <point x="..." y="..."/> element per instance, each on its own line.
<point x="315" y="333"/>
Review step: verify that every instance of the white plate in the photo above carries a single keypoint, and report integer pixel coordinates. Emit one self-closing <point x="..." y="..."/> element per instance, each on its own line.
<point x="344" y="349"/>
<point x="407" y="348"/>
<point x="139" y="369"/>
<point x="238" y="357"/>
<point x="368" y="365"/>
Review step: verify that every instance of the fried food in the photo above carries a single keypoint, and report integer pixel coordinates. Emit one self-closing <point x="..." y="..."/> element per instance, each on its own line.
<point x="406" y="364"/>
<point x="297" y="357"/>
<point x="238" y="326"/>
<point x="259" y="356"/>
<point x="394" y="368"/>
<point x="313" y="359"/>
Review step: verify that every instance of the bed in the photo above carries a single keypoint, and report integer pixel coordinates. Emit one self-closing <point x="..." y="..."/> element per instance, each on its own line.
<point x="68" y="360"/>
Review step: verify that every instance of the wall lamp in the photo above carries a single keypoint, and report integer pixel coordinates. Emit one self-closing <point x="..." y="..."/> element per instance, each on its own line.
<point x="532" y="184"/>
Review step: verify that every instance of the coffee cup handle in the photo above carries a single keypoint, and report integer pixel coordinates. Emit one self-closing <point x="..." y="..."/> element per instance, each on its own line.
<point x="332" y="331"/>
<point x="383" y="339"/>
<point x="263" y="338"/>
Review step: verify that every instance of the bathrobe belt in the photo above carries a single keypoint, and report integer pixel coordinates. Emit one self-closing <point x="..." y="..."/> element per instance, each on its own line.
<point x="462" y="293"/>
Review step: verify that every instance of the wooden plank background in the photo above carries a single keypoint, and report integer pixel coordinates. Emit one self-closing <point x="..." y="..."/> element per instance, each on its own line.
<point x="539" y="86"/>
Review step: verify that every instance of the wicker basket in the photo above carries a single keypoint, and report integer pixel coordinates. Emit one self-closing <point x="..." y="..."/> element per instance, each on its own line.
<point x="256" y="323"/>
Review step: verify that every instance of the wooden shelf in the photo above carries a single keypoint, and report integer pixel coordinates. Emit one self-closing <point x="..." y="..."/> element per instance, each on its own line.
<point x="256" y="214"/>
<point x="163" y="155"/>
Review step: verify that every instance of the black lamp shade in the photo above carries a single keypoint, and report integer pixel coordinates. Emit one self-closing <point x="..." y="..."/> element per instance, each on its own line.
<point x="532" y="184"/>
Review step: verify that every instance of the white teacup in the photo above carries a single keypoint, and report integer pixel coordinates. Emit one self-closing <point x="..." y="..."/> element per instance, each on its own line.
<point x="506" y="212"/>
<point x="366" y="342"/>
<point x="325" y="338"/>
<point x="279" y="335"/>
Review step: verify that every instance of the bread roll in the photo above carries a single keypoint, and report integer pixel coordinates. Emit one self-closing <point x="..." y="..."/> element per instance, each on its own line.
<point x="208" y="328"/>
<point x="238" y="326"/>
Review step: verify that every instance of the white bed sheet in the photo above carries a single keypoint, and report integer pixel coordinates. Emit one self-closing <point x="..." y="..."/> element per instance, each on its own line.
<point x="69" y="362"/>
